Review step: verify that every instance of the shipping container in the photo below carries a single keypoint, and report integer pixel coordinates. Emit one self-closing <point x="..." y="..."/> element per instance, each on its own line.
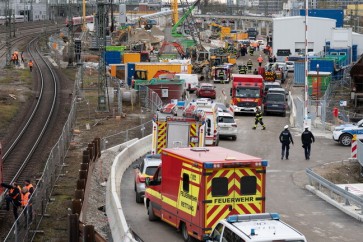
<point x="343" y="55"/>
<point x="153" y="68"/>
<point x="168" y="89"/>
<point x="318" y="82"/>
<point x="115" y="48"/>
<point x="131" y="57"/>
<point x="118" y="70"/>
<point x="130" y="72"/>
<point x="299" y="76"/>
<point x="337" y="14"/>
<point x="325" y="65"/>
<point x="112" y="57"/>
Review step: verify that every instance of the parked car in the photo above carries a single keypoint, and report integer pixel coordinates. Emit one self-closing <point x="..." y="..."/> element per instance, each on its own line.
<point x="290" y="66"/>
<point x="227" y="125"/>
<point x="206" y="90"/>
<point x="145" y="169"/>
<point x="281" y="71"/>
<point x="344" y="133"/>
<point x="278" y="90"/>
<point x="223" y="108"/>
<point x="268" y="85"/>
<point x="275" y="103"/>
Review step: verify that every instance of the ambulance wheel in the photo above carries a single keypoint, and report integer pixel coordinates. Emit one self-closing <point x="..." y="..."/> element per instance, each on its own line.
<point x="138" y="198"/>
<point x="185" y="234"/>
<point x="151" y="214"/>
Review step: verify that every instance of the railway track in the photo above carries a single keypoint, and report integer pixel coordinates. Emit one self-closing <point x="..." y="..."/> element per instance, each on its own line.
<point x="23" y="155"/>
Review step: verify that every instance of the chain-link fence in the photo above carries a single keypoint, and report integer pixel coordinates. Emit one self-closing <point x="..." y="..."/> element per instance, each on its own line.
<point x="28" y="222"/>
<point x="322" y="109"/>
<point x="149" y="102"/>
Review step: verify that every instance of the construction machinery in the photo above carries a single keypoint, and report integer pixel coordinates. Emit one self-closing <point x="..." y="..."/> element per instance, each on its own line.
<point x="175" y="31"/>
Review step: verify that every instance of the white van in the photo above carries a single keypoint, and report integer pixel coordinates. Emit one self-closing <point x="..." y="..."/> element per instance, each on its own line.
<point x="262" y="227"/>
<point x="191" y="81"/>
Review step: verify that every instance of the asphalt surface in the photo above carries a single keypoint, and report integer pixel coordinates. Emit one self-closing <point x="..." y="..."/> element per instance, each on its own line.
<point x="285" y="186"/>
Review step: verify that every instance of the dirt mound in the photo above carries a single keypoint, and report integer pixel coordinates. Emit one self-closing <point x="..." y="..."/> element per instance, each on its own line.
<point x="142" y="35"/>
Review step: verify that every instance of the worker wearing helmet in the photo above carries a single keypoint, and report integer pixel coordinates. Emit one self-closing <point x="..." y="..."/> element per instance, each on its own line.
<point x="249" y="65"/>
<point x="285" y="139"/>
<point x="258" y="119"/>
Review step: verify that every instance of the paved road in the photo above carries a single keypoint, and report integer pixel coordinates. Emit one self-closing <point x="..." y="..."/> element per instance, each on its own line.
<point x="286" y="194"/>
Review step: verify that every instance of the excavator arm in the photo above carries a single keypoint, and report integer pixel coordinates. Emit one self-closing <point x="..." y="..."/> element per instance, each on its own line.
<point x="174" y="30"/>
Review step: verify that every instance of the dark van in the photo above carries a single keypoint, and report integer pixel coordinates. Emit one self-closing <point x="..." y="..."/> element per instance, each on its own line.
<point x="275" y="103"/>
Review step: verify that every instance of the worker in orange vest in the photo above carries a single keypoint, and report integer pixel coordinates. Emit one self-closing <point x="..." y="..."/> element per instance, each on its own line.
<point x="13" y="197"/>
<point x="26" y="205"/>
<point x="260" y="60"/>
<point x="30" y="64"/>
<point x="30" y="190"/>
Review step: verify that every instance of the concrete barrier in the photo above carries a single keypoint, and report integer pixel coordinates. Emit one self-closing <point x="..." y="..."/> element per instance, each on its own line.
<point x="292" y="110"/>
<point x="132" y="151"/>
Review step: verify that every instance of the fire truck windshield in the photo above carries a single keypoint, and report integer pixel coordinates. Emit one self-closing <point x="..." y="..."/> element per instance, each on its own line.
<point x="247" y="92"/>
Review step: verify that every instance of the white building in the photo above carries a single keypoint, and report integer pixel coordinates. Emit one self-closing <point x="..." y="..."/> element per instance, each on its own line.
<point x="289" y="33"/>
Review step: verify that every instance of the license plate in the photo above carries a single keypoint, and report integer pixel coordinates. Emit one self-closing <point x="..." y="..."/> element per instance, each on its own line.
<point x="275" y="105"/>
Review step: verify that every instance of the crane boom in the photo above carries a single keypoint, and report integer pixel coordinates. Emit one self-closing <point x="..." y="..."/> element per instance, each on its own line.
<point x="174" y="30"/>
<point x="175" y="11"/>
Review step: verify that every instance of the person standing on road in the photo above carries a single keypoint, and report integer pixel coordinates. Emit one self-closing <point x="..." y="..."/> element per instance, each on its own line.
<point x="285" y="139"/>
<point x="30" y="64"/>
<point x="249" y="65"/>
<point x="307" y="138"/>
<point x="258" y="119"/>
<point x="260" y="60"/>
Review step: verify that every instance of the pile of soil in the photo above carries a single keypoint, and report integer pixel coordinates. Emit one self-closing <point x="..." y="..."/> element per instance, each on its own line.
<point x="144" y="36"/>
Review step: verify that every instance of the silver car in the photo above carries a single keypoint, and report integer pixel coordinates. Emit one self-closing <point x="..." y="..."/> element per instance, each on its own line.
<point x="145" y="169"/>
<point x="227" y="125"/>
<point x="290" y="66"/>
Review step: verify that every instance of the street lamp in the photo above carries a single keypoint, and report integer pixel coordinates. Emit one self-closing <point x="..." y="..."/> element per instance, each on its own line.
<point x="317" y="89"/>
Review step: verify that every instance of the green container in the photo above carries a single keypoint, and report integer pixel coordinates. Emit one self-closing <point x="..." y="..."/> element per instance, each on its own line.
<point x="318" y="82"/>
<point x="187" y="43"/>
<point x="115" y="48"/>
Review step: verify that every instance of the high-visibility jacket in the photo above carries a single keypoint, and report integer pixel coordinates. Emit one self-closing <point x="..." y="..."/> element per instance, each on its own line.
<point x="30" y="188"/>
<point x="260" y="59"/>
<point x="249" y="63"/>
<point x="30" y="63"/>
<point x="258" y="115"/>
<point x="221" y="74"/>
<point x="25" y="199"/>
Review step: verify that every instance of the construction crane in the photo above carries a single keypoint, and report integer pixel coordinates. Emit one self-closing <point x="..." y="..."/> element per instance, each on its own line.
<point x="174" y="30"/>
<point x="174" y="7"/>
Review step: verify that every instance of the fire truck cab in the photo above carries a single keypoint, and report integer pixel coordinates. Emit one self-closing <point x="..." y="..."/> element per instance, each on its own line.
<point x="194" y="188"/>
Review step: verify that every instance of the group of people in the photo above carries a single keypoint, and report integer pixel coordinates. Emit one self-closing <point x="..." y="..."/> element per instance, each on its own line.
<point x="285" y="138"/>
<point x="15" y="60"/>
<point x="19" y="197"/>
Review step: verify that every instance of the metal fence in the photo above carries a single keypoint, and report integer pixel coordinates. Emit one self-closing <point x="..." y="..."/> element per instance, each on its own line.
<point x="28" y="222"/>
<point x="149" y="102"/>
<point x="340" y="195"/>
<point x="323" y="107"/>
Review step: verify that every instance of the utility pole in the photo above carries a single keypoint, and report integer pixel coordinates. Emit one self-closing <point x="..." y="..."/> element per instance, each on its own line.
<point x="70" y="37"/>
<point x="101" y="24"/>
<point x="8" y="32"/>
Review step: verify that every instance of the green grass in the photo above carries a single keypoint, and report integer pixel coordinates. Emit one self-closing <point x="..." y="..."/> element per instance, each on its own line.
<point x="7" y="113"/>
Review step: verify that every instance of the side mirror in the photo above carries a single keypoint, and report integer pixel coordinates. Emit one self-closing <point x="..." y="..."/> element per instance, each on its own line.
<point x="147" y="181"/>
<point x="137" y="166"/>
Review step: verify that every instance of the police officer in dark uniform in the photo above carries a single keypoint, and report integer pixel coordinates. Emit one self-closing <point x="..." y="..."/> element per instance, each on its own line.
<point x="285" y="139"/>
<point x="258" y="119"/>
<point x="307" y="138"/>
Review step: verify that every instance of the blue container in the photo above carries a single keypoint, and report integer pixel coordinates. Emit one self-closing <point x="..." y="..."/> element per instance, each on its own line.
<point x="324" y="65"/>
<point x="299" y="73"/>
<point x="336" y="14"/>
<point x="341" y="53"/>
<point x="355" y="53"/>
<point x="130" y="72"/>
<point x="112" y="57"/>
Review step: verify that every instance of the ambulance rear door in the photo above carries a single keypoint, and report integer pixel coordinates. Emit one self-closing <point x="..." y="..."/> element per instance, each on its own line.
<point x="232" y="191"/>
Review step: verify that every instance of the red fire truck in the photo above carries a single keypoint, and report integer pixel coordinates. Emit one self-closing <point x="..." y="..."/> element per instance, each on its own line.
<point x="194" y="188"/>
<point x="246" y="93"/>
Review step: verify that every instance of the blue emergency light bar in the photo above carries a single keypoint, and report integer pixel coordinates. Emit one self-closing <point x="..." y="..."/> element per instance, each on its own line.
<point x="211" y="165"/>
<point x="248" y="217"/>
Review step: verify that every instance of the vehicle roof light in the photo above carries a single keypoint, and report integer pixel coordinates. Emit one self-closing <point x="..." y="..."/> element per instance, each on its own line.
<point x="264" y="163"/>
<point x="208" y="165"/>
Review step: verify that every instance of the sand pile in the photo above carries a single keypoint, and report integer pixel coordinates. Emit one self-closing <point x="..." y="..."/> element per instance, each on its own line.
<point x="142" y="35"/>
